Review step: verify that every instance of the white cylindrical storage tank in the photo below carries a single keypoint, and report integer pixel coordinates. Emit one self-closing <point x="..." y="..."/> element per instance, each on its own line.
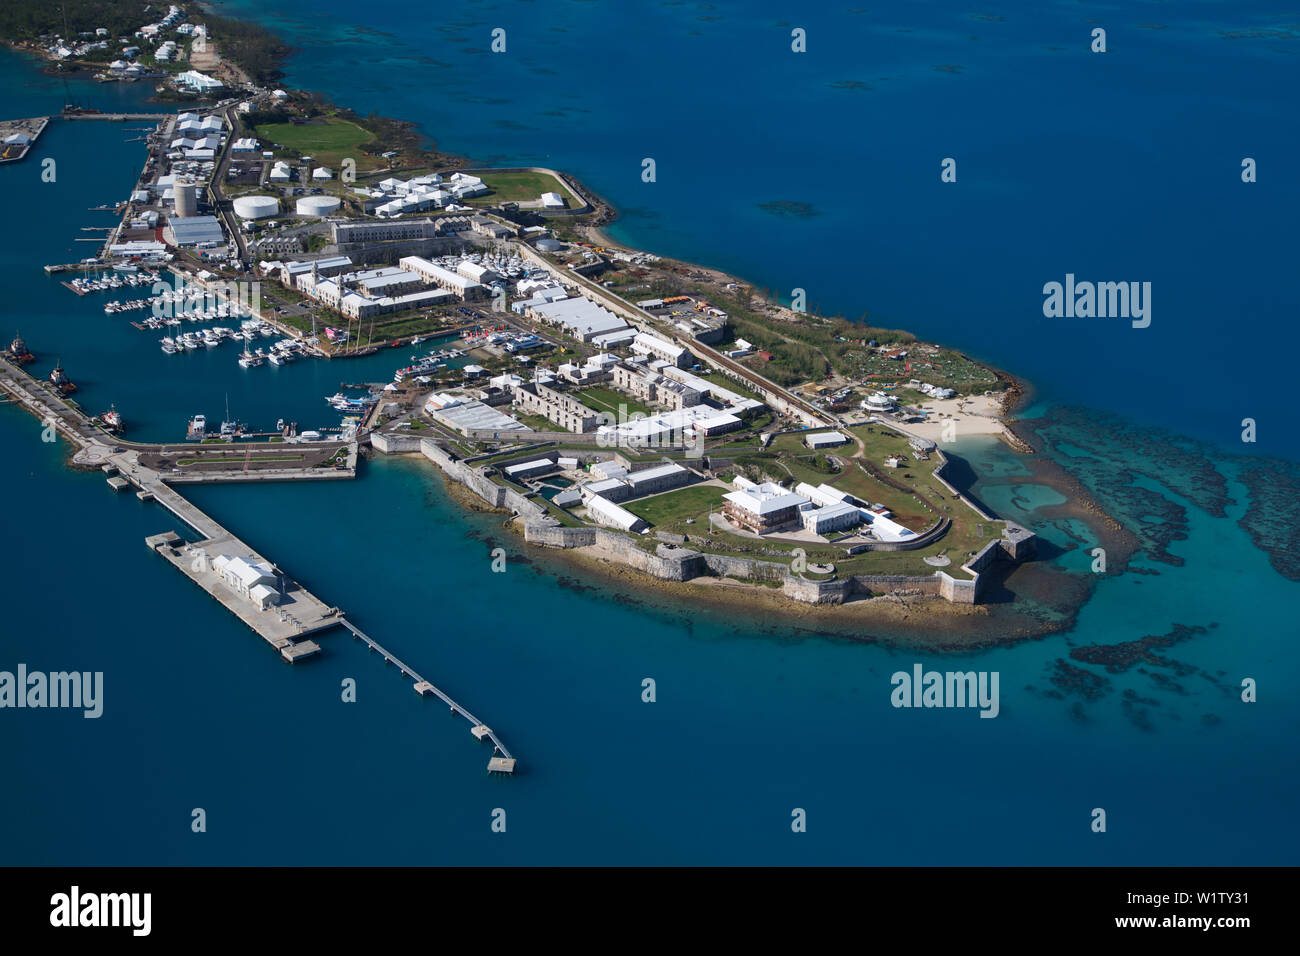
<point x="185" y="199"/>
<point x="317" y="205"/>
<point x="256" y="207"/>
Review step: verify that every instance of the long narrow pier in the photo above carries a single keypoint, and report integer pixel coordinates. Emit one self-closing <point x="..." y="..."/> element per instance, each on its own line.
<point x="113" y="117"/>
<point x="296" y="612"/>
<point x="504" y="763"/>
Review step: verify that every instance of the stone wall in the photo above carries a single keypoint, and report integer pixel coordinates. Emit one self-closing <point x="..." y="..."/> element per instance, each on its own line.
<point x="394" y="443"/>
<point x="667" y="562"/>
<point x="729" y="566"/>
<point x="671" y="563"/>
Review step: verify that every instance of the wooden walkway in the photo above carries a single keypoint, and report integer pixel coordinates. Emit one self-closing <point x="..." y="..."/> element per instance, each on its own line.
<point x="505" y="763"/>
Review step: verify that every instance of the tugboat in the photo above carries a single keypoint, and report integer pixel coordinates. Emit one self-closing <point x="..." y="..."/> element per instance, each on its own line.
<point x="60" y="381"/>
<point x="112" y="419"/>
<point x="18" y="351"/>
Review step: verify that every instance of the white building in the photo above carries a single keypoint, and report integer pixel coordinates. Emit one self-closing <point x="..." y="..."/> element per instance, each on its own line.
<point x="646" y="344"/>
<point x="825" y="440"/>
<point x="879" y="402"/>
<point x="763" y="508"/>
<point x="252" y="580"/>
<point x="611" y="515"/>
<point x="435" y="274"/>
<point x="579" y="317"/>
<point x="837" y="517"/>
<point x="197" y="82"/>
<point x="649" y="481"/>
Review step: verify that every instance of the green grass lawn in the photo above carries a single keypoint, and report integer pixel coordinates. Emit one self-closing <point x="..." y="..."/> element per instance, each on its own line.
<point x="236" y="459"/>
<point x="538" y="423"/>
<point x="520" y="187"/>
<point x="608" y="400"/>
<point x="674" y="506"/>
<point x="326" y="141"/>
<point x="717" y="378"/>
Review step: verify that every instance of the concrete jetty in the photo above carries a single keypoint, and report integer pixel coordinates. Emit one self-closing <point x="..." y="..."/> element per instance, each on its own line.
<point x="280" y="610"/>
<point x="32" y="128"/>
<point x="284" y="625"/>
<point x="114" y="117"/>
<point x="502" y="760"/>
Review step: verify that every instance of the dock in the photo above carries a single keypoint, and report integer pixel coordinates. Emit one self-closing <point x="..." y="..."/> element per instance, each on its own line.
<point x="114" y="117"/>
<point x="283" y="625"/>
<point x="502" y="760"/>
<point x="278" y="609"/>
<point x="31" y="128"/>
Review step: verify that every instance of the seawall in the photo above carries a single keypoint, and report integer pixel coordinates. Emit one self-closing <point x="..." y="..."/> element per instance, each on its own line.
<point x="672" y="562"/>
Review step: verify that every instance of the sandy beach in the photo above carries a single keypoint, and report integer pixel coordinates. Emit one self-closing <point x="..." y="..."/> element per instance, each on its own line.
<point x="977" y="415"/>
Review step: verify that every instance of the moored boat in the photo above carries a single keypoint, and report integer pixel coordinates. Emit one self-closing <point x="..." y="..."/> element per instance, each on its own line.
<point x="19" y="352"/>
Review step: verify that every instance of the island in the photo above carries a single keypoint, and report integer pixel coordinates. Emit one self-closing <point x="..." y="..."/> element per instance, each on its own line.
<point x="644" y="413"/>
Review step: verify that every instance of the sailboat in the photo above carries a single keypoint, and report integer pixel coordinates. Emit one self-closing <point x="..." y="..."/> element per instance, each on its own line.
<point x="229" y="427"/>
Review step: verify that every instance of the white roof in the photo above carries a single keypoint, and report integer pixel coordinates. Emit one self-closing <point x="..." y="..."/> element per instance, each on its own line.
<point x="602" y="486"/>
<point x="658" y="471"/>
<point x="607" y="513"/>
<point x="717" y="421"/>
<point x="261" y="591"/>
<point x="887" y="529"/>
<point x="823" y="494"/>
<point x="644" y="342"/>
<point x="826" y="438"/>
<point x="580" y="315"/>
<point x="765" y="499"/>
<point x="248" y="573"/>
<point x="530" y="465"/>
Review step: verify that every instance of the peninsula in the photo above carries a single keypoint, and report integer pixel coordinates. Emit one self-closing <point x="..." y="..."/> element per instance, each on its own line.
<point x="619" y="405"/>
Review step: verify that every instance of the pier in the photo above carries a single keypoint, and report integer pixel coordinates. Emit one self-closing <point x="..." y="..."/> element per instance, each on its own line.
<point x="284" y="625"/>
<point x="32" y="128"/>
<point x="114" y="117"/>
<point x="296" y="613"/>
<point x="501" y="762"/>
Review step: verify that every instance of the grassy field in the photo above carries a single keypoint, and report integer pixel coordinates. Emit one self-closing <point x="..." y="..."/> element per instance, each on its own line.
<point x="328" y="140"/>
<point x="520" y="187"/>
<point x="608" y="400"/>
<point x="717" y="378"/>
<point x="675" y="506"/>
<point x="538" y="423"/>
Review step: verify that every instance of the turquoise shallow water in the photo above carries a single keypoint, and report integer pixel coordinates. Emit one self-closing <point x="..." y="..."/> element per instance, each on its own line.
<point x="750" y="722"/>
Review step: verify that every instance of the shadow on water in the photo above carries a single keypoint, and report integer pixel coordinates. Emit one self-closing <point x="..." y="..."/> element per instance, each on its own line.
<point x="1045" y="551"/>
<point x="962" y="476"/>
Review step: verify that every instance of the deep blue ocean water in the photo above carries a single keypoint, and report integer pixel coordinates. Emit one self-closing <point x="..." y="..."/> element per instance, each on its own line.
<point x="1101" y="165"/>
